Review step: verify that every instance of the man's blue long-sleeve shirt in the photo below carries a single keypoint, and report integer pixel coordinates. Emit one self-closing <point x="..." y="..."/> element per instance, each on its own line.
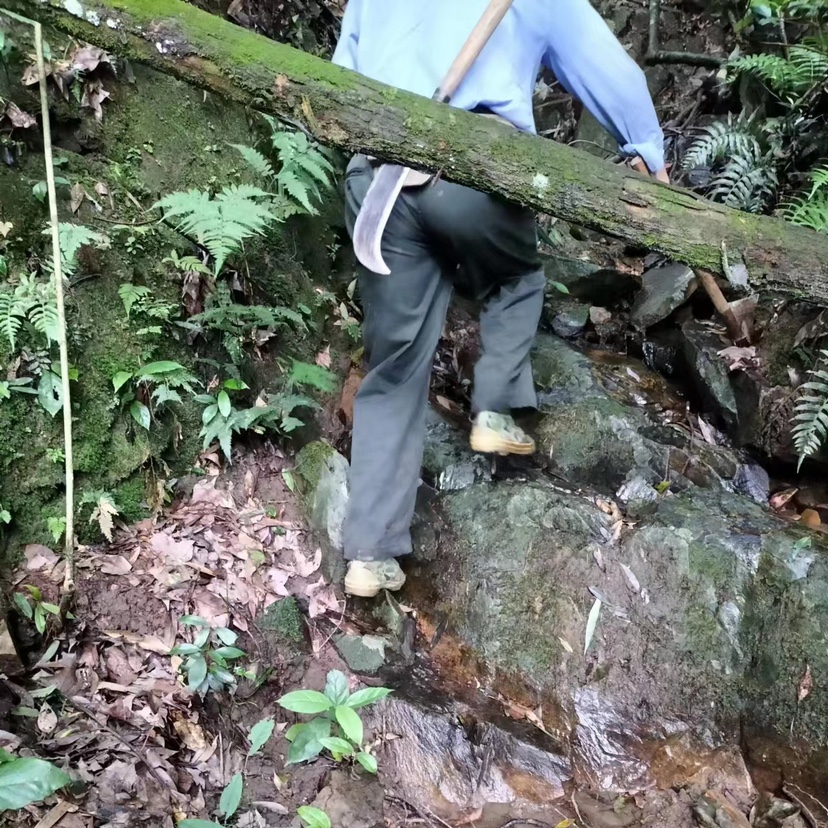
<point x="410" y="44"/>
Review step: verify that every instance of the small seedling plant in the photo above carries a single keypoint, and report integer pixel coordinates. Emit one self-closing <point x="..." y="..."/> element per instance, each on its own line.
<point x="208" y="661"/>
<point x="336" y="726"/>
<point x="33" y="607"/>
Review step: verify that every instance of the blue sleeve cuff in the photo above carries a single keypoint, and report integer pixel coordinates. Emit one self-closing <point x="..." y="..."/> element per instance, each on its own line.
<point x="651" y="152"/>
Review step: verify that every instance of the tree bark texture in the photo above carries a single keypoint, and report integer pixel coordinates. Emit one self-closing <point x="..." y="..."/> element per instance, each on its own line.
<point x="346" y="110"/>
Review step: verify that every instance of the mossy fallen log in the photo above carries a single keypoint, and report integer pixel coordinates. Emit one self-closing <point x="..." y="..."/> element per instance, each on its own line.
<point x="346" y="110"/>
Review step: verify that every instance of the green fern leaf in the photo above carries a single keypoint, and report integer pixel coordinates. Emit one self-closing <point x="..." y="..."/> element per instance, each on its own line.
<point x="130" y="294"/>
<point x="256" y="161"/>
<point x="811" y="212"/>
<point x="811" y="414"/>
<point x="722" y="140"/>
<point x="11" y="318"/>
<point x="303" y="373"/>
<point x="314" y="164"/>
<point x="296" y="188"/>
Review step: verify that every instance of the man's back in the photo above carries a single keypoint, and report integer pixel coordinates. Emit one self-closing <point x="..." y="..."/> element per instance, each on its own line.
<point x="411" y="44"/>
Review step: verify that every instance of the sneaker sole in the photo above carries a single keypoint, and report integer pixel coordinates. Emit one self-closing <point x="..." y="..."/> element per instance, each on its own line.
<point x="361" y="590"/>
<point x="488" y="441"/>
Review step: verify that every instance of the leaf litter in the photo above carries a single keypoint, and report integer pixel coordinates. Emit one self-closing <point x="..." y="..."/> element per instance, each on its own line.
<point x="108" y="702"/>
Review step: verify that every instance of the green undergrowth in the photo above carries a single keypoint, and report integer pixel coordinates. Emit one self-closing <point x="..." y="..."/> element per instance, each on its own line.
<point x="157" y="136"/>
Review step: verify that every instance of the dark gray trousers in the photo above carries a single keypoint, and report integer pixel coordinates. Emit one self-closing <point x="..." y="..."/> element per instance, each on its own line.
<point x="439" y="237"/>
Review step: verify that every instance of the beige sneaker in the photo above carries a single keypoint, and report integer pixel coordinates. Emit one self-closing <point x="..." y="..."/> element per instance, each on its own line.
<point x="494" y="433"/>
<point x="367" y="578"/>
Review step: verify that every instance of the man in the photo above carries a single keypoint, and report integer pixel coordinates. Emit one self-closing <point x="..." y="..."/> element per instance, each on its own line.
<point x="441" y="236"/>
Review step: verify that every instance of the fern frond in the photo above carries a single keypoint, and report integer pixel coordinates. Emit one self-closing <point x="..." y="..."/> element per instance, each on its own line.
<point x="315" y="376"/>
<point x="811" y="414"/>
<point x="11" y="317"/>
<point x="810" y="64"/>
<point x="255" y="160"/>
<point x="732" y="138"/>
<point x="223" y="223"/>
<point x="745" y="184"/>
<point x="130" y="294"/>
<point x="819" y="180"/>
<point x="296" y="188"/>
<point x="809" y="212"/>
<point x="72" y="238"/>
<point x="774" y="70"/>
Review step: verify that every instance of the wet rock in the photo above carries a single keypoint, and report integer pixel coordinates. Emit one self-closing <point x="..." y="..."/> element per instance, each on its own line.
<point x="570" y="321"/>
<point x="663" y="289"/>
<point x="448" y="461"/>
<point x="364" y="654"/>
<point x="727" y="599"/>
<point x="10" y="662"/>
<point x="753" y="481"/>
<point x="351" y="801"/>
<point x="599" y="421"/>
<point x="599" y="316"/>
<point x="772" y="812"/>
<point x="637" y="495"/>
<point x="709" y="373"/>
<point x="325" y="474"/>
<point x="587" y="281"/>
<point x="451" y="757"/>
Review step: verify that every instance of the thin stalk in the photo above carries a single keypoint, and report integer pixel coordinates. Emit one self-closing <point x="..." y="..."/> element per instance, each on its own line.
<point x="69" y="542"/>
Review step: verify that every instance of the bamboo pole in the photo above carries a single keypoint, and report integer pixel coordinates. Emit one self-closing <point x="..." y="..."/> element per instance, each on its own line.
<point x="69" y="536"/>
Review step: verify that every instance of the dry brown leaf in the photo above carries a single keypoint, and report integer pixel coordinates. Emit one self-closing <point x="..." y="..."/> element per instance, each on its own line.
<point x="88" y="58"/>
<point x="93" y="96"/>
<point x="39" y="557"/>
<point x="811" y="518"/>
<point x="151" y="643"/>
<point x="19" y="118"/>
<point x="565" y="644"/>
<point x="323" y="358"/>
<point x="738" y="359"/>
<point x="168" y="550"/>
<point x="47" y="719"/>
<point x="191" y="734"/>
<point x="349" y="392"/>
<point x="629" y="577"/>
<point x="305" y="567"/>
<point x="116" y="565"/>
<point x="780" y="499"/>
<point x="77" y="195"/>
<point x="806" y="684"/>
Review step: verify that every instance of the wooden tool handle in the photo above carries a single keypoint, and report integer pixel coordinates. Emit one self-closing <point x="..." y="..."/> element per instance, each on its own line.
<point x="495" y="12"/>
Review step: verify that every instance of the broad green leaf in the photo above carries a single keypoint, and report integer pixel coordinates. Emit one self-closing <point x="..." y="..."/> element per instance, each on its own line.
<point x="226" y="636"/>
<point x="163" y="367"/>
<point x="40" y="618"/>
<point x="23" y="605"/>
<point x="235" y="385"/>
<point x="192" y="621"/>
<point x="196" y="671"/>
<point x="336" y="687"/>
<point x="55" y="610"/>
<point x="224" y="404"/>
<point x="24" y="781"/>
<point x="259" y="734"/>
<point x="5" y="516"/>
<point x="306" y="745"/>
<point x="185" y="649"/>
<point x="370" y="695"/>
<point x="50" y="393"/>
<point x="198" y="823"/>
<point x="289" y="479"/>
<point x="367" y="761"/>
<point x="141" y="414"/>
<point x="231" y="796"/>
<point x="201" y="638"/>
<point x="313" y="817"/>
<point x="35" y="592"/>
<point x="120" y="379"/>
<point x="293" y="731"/>
<point x="350" y="723"/>
<point x="39" y="191"/>
<point x="209" y="414"/>
<point x="305" y="701"/>
<point x="337" y="746"/>
<point x="229" y="653"/>
<point x="592" y="621"/>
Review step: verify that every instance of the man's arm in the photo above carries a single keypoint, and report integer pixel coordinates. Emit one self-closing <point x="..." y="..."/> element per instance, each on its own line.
<point x="592" y="65"/>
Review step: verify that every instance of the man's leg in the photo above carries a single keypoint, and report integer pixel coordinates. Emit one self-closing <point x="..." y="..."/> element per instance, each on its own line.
<point x="495" y="243"/>
<point x="404" y="316"/>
